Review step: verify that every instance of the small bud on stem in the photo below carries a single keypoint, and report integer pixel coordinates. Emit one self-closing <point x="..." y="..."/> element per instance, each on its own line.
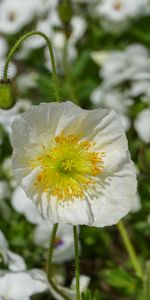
<point x="7" y="94"/>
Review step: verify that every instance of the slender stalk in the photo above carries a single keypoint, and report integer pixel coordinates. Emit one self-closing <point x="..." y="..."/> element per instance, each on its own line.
<point x="49" y="266"/>
<point x="75" y="233"/>
<point x="130" y="249"/>
<point x="15" y="47"/>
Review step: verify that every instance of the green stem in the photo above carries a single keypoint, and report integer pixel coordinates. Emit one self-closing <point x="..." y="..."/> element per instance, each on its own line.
<point x="75" y="233"/>
<point x="130" y="249"/>
<point x="15" y="47"/>
<point x="49" y="267"/>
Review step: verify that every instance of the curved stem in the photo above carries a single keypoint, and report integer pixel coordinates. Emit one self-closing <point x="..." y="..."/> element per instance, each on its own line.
<point x="130" y="249"/>
<point x="15" y="47"/>
<point x="75" y="233"/>
<point x="49" y="267"/>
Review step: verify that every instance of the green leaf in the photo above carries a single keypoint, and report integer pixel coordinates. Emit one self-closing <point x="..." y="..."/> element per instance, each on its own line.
<point x="147" y="282"/>
<point x="97" y="295"/>
<point x="86" y="295"/>
<point x="120" y="279"/>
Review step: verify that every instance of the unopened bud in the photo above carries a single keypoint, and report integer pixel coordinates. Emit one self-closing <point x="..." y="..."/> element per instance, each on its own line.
<point x="7" y="94"/>
<point x="65" y="11"/>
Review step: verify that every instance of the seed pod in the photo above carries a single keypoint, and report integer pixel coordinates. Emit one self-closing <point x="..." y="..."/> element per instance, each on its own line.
<point x="8" y="95"/>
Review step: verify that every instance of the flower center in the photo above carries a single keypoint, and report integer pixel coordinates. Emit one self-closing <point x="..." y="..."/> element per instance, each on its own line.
<point x="68" y="168"/>
<point x="117" y="5"/>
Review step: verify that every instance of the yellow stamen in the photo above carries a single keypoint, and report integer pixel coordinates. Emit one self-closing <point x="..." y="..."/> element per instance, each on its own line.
<point x="68" y="168"/>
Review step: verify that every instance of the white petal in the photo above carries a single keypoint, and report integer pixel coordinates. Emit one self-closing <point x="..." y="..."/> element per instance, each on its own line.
<point x="115" y="199"/>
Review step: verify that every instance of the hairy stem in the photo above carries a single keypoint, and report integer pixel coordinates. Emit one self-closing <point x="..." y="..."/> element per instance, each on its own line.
<point x="49" y="267"/>
<point x="15" y="47"/>
<point x="75" y="233"/>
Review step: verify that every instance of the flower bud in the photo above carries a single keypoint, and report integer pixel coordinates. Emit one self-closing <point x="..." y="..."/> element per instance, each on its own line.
<point x="65" y="11"/>
<point x="7" y="94"/>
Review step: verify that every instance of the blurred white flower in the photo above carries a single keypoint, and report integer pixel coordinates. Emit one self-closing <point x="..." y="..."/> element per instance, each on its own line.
<point x="141" y="88"/>
<point x="113" y="99"/>
<point x="59" y="41"/>
<point x="142" y="125"/>
<point x="46" y="26"/>
<point x="116" y="14"/>
<point x="121" y="66"/>
<point x="71" y="292"/>
<point x="21" y="285"/>
<point x="7" y="170"/>
<point x="74" y="163"/>
<point x="64" y="243"/>
<point x="27" y="81"/>
<point x="12" y="69"/>
<point x="78" y="25"/>
<point x="7" y="116"/>
<point x="22" y="204"/>
<point x="99" y="57"/>
<point x="4" y="190"/>
<point x="14" y="261"/>
<point x="3" y="47"/>
<point x="14" y="15"/>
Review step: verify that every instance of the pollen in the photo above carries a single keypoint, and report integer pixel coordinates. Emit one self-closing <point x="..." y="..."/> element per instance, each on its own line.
<point x="68" y="167"/>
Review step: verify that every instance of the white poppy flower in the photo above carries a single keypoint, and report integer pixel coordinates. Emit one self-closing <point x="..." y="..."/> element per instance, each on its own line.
<point x="74" y="164"/>
<point x="22" y="204"/>
<point x="142" y="125"/>
<point x="14" y="15"/>
<point x="22" y="285"/>
<point x="14" y="261"/>
<point x="64" y="242"/>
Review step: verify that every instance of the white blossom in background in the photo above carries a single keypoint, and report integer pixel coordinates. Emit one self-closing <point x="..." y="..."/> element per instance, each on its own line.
<point x="27" y="81"/>
<point x="14" y="15"/>
<point x="46" y="26"/>
<point x="14" y="261"/>
<point x="141" y="88"/>
<point x="22" y="285"/>
<point x="59" y="41"/>
<point x="117" y="14"/>
<point x="3" y="47"/>
<point x="113" y="99"/>
<point x="71" y="292"/>
<point x="12" y="69"/>
<point x="74" y="163"/>
<point x="7" y="117"/>
<point x="64" y="242"/>
<point x="4" y="190"/>
<point x="78" y="27"/>
<point x="142" y="125"/>
<point x="125" y="65"/>
<point x="99" y="57"/>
